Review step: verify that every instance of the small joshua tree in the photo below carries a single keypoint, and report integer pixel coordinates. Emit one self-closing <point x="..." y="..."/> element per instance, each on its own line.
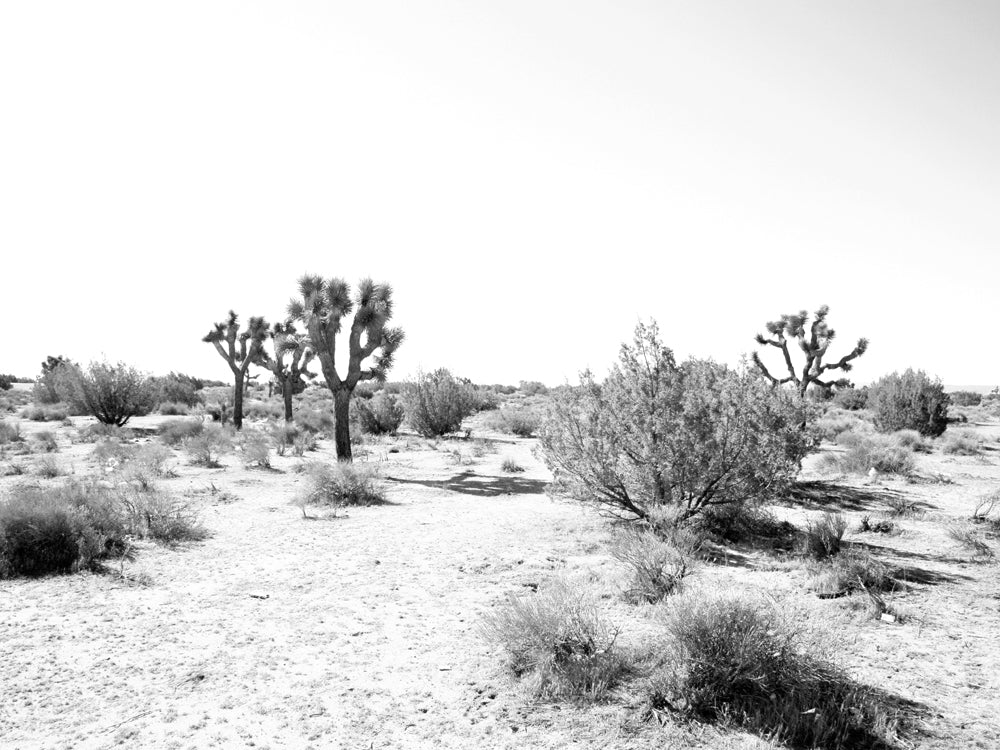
<point x="288" y="375"/>
<point x="240" y="350"/>
<point x="324" y="304"/>
<point x="813" y="341"/>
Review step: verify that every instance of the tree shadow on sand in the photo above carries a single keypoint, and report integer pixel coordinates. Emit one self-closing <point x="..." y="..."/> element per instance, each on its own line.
<point x="819" y="494"/>
<point x="470" y="483"/>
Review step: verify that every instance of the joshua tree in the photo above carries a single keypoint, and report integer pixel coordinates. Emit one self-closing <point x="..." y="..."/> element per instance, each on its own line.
<point x="324" y="303"/>
<point x="240" y="350"/>
<point x="813" y="341"/>
<point x="289" y="375"/>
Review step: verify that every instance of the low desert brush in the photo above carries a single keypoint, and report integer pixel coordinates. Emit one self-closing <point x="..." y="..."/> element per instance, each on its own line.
<point x="558" y="642"/>
<point x="961" y="443"/>
<point x="823" y="538"/>
<point x="341" y="484"/>
<point x="738" y="661"/>
<point x="177" y="431"/>
<point x="510" y="466"/>
<point x="208" y="446"/>
<point x="852" y="570"/>
<point x="256" y="448"/>
<point x="971" y="539"/>
<point x="659" y="566"/>
<point x="58" y="530"/>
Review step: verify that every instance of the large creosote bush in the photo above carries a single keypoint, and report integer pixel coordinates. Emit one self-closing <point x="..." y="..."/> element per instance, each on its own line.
<point x="659" y="438"/>
<point x="437" y="402"/>
<point x="909" y="401"/>
<point x="112" y="393"/>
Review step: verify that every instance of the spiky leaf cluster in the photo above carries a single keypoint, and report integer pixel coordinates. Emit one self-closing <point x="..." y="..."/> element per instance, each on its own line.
<point x="814" y="340"/>
<point x="239" y="348"/>
<point x="324" y="306"/>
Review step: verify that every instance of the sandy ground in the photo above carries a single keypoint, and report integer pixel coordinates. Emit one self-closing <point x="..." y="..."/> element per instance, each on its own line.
<point x="361" y="631"/>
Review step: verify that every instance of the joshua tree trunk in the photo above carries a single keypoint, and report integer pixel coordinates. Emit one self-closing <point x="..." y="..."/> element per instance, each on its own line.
<point x="286" y="394"/>
<point x="238" y="401"/>
<point x="342" y="428"/>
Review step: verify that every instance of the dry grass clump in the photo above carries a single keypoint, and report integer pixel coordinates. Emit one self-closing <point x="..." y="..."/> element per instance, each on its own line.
<point x="823" y="538"/>
<point x="961" y="443"/>
<point x="256" y="448"/>
<point x="341" y="484"/>
<point x="913" y="440"/>
<point x="510" y="466"/>
<point x="877" y="526"/>
<point x="49" y="467"/>
<point x="45" y="413"/>
<point x="557" y="641"/>
<point x="659" y="565"/>
<point x="737" y="661"/>
<point x="852" y="570"/>
<point x="44" y="441"/>
<point x="315" y="421"/>
<point x="878" y="452"/>
<point x="154" y="514"/>
<point x="176" y="432"/>
<point x="206" y="447"/>
<point x="972" y="539"/>
<point x="97" y="431"/>
<point x="10" y="432"/>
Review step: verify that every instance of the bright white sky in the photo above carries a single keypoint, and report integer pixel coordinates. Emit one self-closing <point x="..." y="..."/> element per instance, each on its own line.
<point x="532" y="177"/>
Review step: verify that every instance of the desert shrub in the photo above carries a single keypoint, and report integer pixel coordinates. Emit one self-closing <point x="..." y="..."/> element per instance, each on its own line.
<point x="737" y="661"/>
<point x="176" y="432"/>
<point x="911" y="401"/>
<point x="341" y="484"/>
<point x="971" y="539"/>
<point x="49" y="467"/>
<point x="851" y="399"/>
<point x="658" y="565"/>
<point x="823" y="538"/>
<point x="283" y="434"/>
<point x="177" y="389"/>
<point x="206" y="447"/>
<point x="877" y="526"/>
<point x="57" y="530"/>
<point x="6" y="382"/>
<point x="966" y="398"/>
<point x="256" y="448"/>
<point x="739" y="523"/>
<point x="522" y="422"/>
<point x="557" y="640"/>
<point x="962" y="443"/>
<point x="315" y="421"/>
<point x="382" y="414"/>
<point x="510" y="466"/>
<point x="10" y="432"/>
<point x="264" y="410"/>
<point x="174" y="409"/>
<point x="532" y="388"/>
<point x="141" y="466"/>
<point x="96" y="432"/>
<point x="689" y="436"/>
<point x="46" y="413"/>
<point x="111" y="393"/>
<point x="912" y="440"/>
<point x="836" y="422"/>
<point x="152" y="514"/>
<point x="486" y="399"/>
<point x="437" y="402"/>
<point x="850" y="571"/>
<point x="45" y="441"/>
<point x="51" y="385"/>
<point x="877" y="452"/>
